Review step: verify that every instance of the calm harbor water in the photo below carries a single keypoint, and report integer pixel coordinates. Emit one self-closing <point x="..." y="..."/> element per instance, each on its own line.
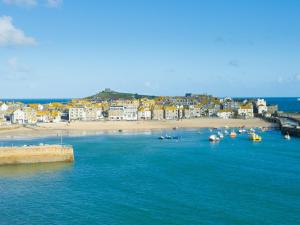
<point x="138" y="179"/>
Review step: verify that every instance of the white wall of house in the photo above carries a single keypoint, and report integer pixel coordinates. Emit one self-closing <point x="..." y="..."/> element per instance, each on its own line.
<point x="171" y="114"/>
<point x="116" y="113"/>
<point x="130" y="112"/>
<point x="3" y="107"/>
<point x="77" y="113"/>
<point x="261" y="106"/>
<point x="144" y="115"/>
<point x="225" y="115"/>
<point x="246" y="113"/>
<point x="18" y="117"/>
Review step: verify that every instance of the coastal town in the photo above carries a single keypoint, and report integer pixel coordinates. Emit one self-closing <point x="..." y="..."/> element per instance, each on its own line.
<point x="133" y="108"/>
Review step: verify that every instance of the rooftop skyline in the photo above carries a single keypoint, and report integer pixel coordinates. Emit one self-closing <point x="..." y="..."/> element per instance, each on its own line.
<point x="56" y="48"/>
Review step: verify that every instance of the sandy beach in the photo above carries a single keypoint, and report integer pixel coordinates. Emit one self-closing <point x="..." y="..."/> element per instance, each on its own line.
<point x="98" y="127"/>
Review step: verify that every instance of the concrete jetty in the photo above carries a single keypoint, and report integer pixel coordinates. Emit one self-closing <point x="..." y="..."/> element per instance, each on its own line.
<point x="287" y="125"/>
<point x="36" y="154"/>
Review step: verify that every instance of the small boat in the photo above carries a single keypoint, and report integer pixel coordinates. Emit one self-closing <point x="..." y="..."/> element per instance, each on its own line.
<point x="161" y="138"/>
<point x="176" y="137"/>
<point x="241" y="131"/>
<point x="168" y="137"/>
<point x="233" y="134"/>
<point x="287" y="136"/>
<point x="255" y="137"/>
<point x="298" y="99"/>
<point x="226" y="132"/>
<point x="252" y="130"/>
<point x="221" y="135"/>
<point x="213" y="138"/>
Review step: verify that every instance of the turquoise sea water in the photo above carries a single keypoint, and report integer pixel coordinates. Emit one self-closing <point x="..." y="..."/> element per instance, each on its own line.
<point x="138" y="179"/>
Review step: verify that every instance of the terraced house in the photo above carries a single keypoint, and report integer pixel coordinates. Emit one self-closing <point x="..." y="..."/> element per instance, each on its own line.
<point x="158" y="112"/>
<point x="171" y="113"/>
<point x="144" y="113"/>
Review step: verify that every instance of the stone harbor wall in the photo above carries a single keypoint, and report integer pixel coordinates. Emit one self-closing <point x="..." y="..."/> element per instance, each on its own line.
<point x="36" y="154"/>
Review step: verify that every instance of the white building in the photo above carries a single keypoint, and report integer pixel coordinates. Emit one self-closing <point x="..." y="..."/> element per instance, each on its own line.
<point x="144" y="113"/>
<point x="225" y="113"/>
<point x="85" y="114"/>
<point x="18" y="116"/>
<point x="116" y="112"/>
<point x="77" y="113"/>
<point x="93" y="114"/>
<point x="130" y="112"/>
<point x="3" y="107"/>
<point x="261" y="106"/>
<point x="40" y="107"/>
<point x="246" y="111"/>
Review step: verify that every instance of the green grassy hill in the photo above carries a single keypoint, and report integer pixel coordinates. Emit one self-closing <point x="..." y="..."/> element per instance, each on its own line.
<point x="108" y="94"/>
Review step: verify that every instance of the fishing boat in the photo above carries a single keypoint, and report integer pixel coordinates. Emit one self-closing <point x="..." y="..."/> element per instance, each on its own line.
<point x="287" y="136"/>
<point x="255" y="137"/>
<point x="252" y="130"/>
<point x="221" y="135"/>
<point x="213" y="138"/>
<point x="242" y="131"/>
<point x="233" y="134"/>
<point x="168" y="137"/>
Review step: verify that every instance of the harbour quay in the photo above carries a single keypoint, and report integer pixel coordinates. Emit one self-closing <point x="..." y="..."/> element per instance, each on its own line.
<point x="36" y="154"/>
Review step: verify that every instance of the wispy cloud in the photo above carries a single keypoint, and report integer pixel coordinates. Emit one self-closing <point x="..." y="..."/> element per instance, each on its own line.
<point x="234" y="63"/>
<point x="54" y="3"/>
<point x="288" y="79"/>
<point x="32" y="3"/>
<point x="16" y="71"/>
<point x="24" y="3"/>
<point x="11" y="36"/>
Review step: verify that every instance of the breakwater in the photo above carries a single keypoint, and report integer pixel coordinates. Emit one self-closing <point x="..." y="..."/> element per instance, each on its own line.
<point x="287" y="124"/>
<point x="36" y="154"/>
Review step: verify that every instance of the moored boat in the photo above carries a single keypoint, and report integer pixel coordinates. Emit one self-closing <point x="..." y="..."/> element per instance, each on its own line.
<point x="233" y="134"/>
<point x="168" y="137"/>
<point x="255" y="137"/>
<point x="287" y="136"/>
<point x="213" y="138"/>
<point x="221" y="135"/>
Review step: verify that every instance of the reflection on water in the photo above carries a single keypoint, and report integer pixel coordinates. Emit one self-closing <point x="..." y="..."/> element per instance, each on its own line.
<point x="29" y="170"/>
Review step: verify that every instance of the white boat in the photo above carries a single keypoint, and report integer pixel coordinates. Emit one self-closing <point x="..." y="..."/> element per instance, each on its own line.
<point x="233" y="134"/>
<point x="298" y="99"/>
<point x="242" y="131"/>
<point x="168" y="137"/>
<point x="287" y="137"/>
<point x="226" y="132"/>
<point x="221" y="135"/>
<point x="213" y="138"/>
<point x="252" y="130"/>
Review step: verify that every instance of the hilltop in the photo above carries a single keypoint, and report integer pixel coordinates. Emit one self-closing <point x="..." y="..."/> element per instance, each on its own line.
<point x="108" y="94"/>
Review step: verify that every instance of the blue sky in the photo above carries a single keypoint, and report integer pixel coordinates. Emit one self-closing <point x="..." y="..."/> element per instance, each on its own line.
<point x="56" y="48"/>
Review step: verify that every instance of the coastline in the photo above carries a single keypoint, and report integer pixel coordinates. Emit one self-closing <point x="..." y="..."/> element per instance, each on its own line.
<point x="82" y="128"/>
